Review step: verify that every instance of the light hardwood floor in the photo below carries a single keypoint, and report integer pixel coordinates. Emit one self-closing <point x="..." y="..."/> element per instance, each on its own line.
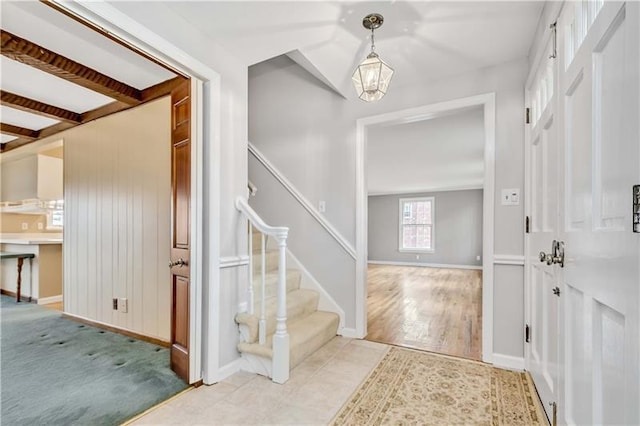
<point x="432" y="309"/>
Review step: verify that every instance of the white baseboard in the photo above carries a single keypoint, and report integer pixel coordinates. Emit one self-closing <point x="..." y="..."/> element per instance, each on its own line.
<point x="427" y="265"/>
<point x="509" y="362"/>
<point x="226" y="371"/>
<point x="349" y="332"/>
<point x="47" y="300"/>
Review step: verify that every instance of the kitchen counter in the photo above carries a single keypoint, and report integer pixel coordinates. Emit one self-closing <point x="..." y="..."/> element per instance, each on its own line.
<point x="31" y="239"/>
<point x="42" y="280"/>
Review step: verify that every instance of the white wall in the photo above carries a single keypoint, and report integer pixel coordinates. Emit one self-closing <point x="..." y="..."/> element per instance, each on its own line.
<point x="230" y="179"/>
<point x="308" y="133"/>
<point x="117" y="183"/>
<point x="443" y="153"/>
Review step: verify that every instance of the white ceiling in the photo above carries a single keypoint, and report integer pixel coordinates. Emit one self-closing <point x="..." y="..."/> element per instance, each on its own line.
<point x="421" y="40"/>
<point x="25" y="119"/>
<point x="31" y="83"/>
<point x="40" y="24"/>
<point x="443" y="153"/>
<point x="49" y="28"/>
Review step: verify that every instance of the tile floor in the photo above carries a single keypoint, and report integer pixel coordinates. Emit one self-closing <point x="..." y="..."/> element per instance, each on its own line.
<point x="315" y="392"/>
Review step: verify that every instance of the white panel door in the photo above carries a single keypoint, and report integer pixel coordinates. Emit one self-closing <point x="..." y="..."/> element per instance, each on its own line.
<point x="542" y="210"/>
<point x="599" y="44"/>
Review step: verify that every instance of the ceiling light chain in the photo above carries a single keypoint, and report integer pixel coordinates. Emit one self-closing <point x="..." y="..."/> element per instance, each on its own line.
<point x="372" y="77"/>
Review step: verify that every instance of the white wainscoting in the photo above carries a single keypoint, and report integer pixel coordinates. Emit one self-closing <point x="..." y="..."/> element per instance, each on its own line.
<point x="117" y="179"/>
<point x="508" y="259"/>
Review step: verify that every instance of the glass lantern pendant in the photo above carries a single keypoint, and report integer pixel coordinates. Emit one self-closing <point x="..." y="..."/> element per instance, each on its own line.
<point x="372" y="77"/>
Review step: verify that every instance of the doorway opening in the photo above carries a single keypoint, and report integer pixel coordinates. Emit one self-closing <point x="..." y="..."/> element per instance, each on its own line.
<point x="425" y="234"/>
<point x="141" y="185"/>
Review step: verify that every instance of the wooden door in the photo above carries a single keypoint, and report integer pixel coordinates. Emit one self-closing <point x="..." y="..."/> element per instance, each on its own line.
<point x="599" y="78"/>
<point x="541" y="350"/>
<point x="180" y="228"/>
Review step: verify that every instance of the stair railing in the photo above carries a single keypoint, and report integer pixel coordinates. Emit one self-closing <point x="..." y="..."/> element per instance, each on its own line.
<point x="280" y="343"/>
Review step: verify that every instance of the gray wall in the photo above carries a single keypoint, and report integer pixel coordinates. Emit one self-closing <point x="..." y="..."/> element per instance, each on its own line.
<point x="457" y="228"/>
<point x="324" y="258"/>
<point x="309" y="134"/>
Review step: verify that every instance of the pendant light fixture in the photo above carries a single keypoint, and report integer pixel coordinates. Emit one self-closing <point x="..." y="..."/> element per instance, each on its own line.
<point x="372" y="77"/>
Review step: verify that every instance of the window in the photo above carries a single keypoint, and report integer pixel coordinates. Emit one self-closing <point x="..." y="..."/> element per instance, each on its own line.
<point x="416" y="224"/>
<point x="55" y="216"/>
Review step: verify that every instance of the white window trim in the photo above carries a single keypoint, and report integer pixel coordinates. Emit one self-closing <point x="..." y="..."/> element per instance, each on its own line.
<point x="401" y="202"/>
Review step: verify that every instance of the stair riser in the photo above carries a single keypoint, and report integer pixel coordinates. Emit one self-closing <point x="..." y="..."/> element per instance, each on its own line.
<point x="294" y="311"/>
<point x="271" y="258"/>
<point x="304" y="341"/>
<point x="271" y="284"/>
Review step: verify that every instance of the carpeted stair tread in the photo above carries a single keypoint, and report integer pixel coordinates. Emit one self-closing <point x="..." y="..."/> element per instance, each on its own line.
<point x="271" y="283"/>
<point x="306" y="336"/>
<point x="300" y="303"/>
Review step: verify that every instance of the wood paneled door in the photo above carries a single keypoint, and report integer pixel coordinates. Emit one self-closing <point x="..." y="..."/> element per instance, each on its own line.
<point x="180" y="228"/>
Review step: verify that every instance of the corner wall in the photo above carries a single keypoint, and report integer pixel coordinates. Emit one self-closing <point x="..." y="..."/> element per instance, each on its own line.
<point x="308" y="133"/>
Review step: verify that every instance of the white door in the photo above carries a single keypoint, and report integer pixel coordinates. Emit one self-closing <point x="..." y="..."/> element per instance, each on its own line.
<point x="542" y="150"/>
<point x="598" y="84"/>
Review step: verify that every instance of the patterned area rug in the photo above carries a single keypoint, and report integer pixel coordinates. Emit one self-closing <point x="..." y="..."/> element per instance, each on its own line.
<point x="413" y="387"/>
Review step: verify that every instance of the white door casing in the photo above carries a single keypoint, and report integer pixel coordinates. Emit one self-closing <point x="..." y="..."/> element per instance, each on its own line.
<point x="598" y="77"/>
<point x="541" y="207"/>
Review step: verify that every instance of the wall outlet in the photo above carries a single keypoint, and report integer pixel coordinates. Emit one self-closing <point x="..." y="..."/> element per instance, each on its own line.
<point x="477" y="257"/>
<point x="511" y="197"/>
<point x="322" y="206"/>
<point x="40" y="226"/>
<point x="123" y="305"/>
<point x="114" y="304"/>
<point x="24" y="226"/>
<point x="417" y="257"/>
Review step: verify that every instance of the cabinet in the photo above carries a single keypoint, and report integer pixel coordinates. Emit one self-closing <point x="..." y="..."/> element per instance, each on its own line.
<point x="33" y="177"/>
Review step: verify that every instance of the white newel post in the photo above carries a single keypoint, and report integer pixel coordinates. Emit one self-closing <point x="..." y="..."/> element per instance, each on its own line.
<point x="281" y="337"/>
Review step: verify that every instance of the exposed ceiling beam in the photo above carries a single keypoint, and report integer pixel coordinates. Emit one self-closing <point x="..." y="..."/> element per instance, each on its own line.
<point x="21" y="132"/>
<point x="27" y="136"/>
<point x="31" y="54"/>
<point x="30" y="105"/>
<point x="161" y="89"/>
<point x="16" y="143"/>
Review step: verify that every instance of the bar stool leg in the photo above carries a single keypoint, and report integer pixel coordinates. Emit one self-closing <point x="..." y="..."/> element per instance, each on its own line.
<point x="20" y="262"/>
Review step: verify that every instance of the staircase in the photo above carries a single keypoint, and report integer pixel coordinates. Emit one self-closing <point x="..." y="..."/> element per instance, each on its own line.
<point x="282" y="325"/>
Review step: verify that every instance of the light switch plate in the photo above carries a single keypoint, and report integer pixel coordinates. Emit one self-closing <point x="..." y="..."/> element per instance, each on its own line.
<point x="322" y="206"/>
<point x="511" y="197"/>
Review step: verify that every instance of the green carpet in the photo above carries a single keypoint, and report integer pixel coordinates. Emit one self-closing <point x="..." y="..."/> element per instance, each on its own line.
<point x="55" y="371"/>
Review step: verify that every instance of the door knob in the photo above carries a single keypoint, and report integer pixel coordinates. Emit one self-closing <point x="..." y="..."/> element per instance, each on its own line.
<point x="179" y="262"/>
<point x="546" y="258"/>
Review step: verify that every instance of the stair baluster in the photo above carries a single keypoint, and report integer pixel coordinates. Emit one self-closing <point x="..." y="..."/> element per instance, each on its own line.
<point x="262" y="327"/>
<point x="250" y="290"/>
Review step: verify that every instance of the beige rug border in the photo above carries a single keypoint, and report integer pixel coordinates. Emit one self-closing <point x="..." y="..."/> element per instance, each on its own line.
<point x="537" y="402"/>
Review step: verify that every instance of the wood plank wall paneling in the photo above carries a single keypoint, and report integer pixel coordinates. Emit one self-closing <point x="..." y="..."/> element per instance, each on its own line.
<point x="117" y="227"/>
